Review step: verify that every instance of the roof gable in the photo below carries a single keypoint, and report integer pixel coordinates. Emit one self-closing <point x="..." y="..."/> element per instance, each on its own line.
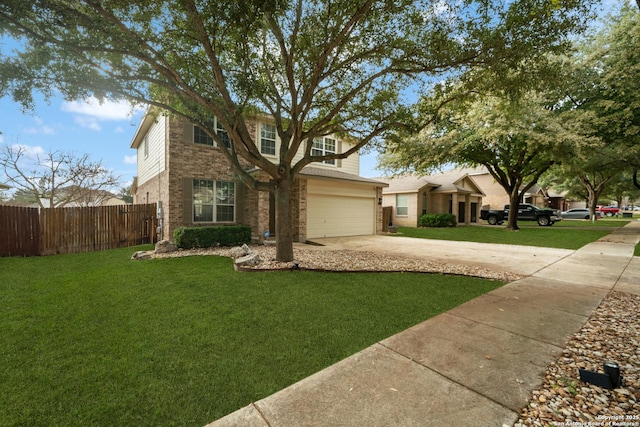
<point x="447" y="182"/>
<point x="407" y="184"/>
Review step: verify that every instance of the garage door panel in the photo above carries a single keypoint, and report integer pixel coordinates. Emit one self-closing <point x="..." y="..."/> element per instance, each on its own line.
<point x="334" y="216"/>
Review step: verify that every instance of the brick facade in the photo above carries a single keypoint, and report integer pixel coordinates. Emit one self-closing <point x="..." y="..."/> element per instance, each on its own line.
<point x="186" y="161"/>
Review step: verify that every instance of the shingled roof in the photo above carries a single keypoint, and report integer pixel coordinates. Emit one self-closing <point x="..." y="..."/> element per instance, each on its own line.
<point x="445" y="182"/>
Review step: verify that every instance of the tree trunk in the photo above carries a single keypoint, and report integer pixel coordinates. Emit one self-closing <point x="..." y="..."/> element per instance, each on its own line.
<point x="593" y="194"/>
<point x="514" y="201"/>
<point x="593" y="201"/>
<point x="284" y="222"/>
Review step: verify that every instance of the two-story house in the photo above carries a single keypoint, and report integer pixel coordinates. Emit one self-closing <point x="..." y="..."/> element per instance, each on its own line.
<point x="181" y="168"/>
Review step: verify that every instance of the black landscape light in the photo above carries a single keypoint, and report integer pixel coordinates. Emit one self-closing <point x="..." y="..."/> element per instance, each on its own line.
<point x="610" y="379"/>
<point x="613" y="370"/>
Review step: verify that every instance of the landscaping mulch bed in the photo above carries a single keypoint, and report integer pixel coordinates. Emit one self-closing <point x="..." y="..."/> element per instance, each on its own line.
<point x="610" y="335"/>
<point x="316" y="258"/>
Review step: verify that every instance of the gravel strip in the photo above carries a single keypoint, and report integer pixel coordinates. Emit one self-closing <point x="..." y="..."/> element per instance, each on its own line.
<point x="610" y="335"/>
<point x="350" y="261"/>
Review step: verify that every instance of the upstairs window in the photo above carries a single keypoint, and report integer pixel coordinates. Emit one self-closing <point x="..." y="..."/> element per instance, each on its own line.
<point x="201" y="137"/>
<point x="223" y="135"/>
<point x="322" y="147"/>
<point x="145" y="146"/>
<point x="267" y="139"/>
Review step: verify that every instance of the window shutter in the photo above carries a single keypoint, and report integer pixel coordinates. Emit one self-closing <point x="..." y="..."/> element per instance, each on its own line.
<point x="187" y="201"/>
<point x="239" y="206"/>
<point x="187" y="133"/>
<point x="339" y="150"/>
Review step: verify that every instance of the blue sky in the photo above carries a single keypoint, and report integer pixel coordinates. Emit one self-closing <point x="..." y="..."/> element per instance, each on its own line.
<point x="104" y="132"/>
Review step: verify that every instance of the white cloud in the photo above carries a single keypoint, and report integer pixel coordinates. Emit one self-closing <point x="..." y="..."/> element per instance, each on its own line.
<point x="108" y="110"/>
<point x="90" y="112"/>
<point x="118" y="129"/>
<point x="131" y="160"/>
<point x="29" y="151"/>
<point x="88" y="122"/>
<point x="40" y="128"/>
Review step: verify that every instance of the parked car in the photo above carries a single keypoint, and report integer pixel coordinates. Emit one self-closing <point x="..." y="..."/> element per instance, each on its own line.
<point x="526" y="212"/>
<point x="608" y="210"/>
<point x="578" y="213"/>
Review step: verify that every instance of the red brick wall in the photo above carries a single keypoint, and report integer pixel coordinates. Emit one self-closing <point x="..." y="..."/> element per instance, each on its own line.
<point x="187" y="160"/>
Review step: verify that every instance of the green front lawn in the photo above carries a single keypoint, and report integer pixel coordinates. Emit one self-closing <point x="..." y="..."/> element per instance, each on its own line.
<point x="569" y="237"/>
<point x="581" y="223"/>
<point x="96" y="339"/>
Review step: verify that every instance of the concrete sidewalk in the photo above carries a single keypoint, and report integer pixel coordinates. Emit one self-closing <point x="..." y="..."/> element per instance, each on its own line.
<point x="474" y="365"/>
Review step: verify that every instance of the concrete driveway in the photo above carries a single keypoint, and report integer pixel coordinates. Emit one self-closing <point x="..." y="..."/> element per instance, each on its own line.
<point x="525" y="260"/>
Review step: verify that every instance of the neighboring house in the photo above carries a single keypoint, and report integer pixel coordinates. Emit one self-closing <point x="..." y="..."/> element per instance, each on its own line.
<point x="3" y="187"/>
<point x="180" y="167"/>
<point x="73" y="197"/>
<point x="496" y="197"/>
<point x="452" y="192"/>
<point x="113" y="201"/>
<point x="83" y="197"/>
<point x="556" y="200"/>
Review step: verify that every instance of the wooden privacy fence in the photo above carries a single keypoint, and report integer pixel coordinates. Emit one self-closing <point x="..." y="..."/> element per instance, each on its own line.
<point x="32" y="231"/>
<point x="19" y="231"/>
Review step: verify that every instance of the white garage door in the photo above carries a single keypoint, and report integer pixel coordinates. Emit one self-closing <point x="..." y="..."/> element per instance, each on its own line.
<point x="331" y="215"/>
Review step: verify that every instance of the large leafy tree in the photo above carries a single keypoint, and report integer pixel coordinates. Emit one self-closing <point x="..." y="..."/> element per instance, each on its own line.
<point x="517" y="140"/>
<point x="599" y="98"/>
<point x="586" y="171"/>
<point x="617" y="53"/>
<point x="593" y="161"/>
<point x="622" y="190"/>
<point x="318" y="67"/>
<point x="602" y="83"/>
<point x="592" y="174"/>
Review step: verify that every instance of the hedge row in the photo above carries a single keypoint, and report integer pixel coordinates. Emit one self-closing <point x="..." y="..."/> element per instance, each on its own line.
<point x="437" y="220"/>
<point x="206" y="237"/>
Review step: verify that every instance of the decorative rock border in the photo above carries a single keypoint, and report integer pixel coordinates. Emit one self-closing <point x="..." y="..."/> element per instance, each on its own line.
<point x="341" y="261"/>
<point x="610" y="335"/>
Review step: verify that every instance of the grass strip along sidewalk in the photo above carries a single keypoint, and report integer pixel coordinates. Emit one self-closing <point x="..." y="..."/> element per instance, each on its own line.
<point x="96" y="339"/>
<point x="559" y="236"/>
